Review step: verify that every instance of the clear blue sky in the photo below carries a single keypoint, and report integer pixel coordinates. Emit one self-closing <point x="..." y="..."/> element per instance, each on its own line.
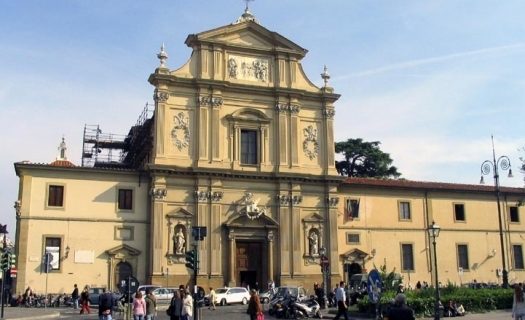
<point x="431" y="80"/>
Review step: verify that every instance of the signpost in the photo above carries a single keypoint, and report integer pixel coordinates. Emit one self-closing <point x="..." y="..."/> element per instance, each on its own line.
<point x="127" y="286"/>
<point x="192" y="262"/>
<point x="375" y="286"/>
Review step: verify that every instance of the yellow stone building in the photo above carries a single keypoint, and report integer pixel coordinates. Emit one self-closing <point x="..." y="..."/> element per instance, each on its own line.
<point x="241" y="142"/>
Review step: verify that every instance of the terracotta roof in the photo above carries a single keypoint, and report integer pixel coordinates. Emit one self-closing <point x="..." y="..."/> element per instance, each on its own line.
<point x="62" y="163"/>
<point x="372" y="182"/>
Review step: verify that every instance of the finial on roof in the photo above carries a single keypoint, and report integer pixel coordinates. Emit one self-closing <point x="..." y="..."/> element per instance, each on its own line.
<point x="62" y="150"/>
<point x="325" y="75"/>
<point x="247" y="15"/>
<point x="163" y="56"/>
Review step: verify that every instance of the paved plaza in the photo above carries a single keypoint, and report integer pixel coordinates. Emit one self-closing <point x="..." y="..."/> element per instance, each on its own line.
<point x="236" y="312"/>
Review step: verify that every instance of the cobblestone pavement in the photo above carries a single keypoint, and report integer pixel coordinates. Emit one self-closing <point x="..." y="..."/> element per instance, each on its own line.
<point x="235" y="312"/>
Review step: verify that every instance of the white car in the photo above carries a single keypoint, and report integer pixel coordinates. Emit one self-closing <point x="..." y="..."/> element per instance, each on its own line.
<point x="164" y="295"/>
<point x="224" y="296"/>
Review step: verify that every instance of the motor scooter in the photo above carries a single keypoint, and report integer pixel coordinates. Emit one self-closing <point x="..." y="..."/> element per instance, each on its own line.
<point x="308" y="308"/>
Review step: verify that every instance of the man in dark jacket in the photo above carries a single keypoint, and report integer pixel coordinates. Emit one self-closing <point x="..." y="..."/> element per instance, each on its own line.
<point x="74" y="296"/>
<point x="400" y="311"/>
<point x="106" y="302"/>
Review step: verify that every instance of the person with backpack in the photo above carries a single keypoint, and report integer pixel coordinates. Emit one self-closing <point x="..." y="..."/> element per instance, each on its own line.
<point x="175" y="308"/>
<point x="106" y="302"/>
<point x="151" y="305"/>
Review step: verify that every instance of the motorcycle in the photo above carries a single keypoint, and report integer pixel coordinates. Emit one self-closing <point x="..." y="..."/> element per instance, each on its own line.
<point x="308" y="308"/>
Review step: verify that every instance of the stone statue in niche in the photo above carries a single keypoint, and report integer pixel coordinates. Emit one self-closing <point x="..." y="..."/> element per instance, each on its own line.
<point x="179" y="241"/>
<point x="314" y="243"/>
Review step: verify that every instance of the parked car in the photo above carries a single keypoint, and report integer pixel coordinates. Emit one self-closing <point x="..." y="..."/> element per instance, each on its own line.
<point x="143" y="288"/>
<point x="164" y="295"/>
<point x="267" y="295"/>
<point x="226" y="296"/>
<point x="95" y="292"/>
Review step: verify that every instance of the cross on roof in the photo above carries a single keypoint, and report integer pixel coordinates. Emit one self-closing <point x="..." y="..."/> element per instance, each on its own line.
<point x="247" y="2"/>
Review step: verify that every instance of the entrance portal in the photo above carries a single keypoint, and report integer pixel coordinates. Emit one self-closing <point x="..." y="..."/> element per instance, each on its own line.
<point x="249" y="264"/>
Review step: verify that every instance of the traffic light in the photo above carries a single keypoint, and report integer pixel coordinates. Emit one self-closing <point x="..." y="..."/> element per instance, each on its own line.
<point x="191" y="259"/>
<point x="4" y="264"/>
<point x="12" y="261"/>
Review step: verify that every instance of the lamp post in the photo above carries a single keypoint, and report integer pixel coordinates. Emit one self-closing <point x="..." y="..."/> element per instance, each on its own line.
<point x="487" y="166"/>
<point x="3" y="230"/>
<point x="433" y="231"/>
<point x="325" y="264"/>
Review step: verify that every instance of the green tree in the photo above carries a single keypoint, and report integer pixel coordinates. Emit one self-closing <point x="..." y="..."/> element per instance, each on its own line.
<point x="364" y="159"/>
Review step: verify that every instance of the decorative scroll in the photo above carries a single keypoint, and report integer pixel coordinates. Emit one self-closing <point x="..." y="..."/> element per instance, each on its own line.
<point x="310" y="144"/>
<point x="158" y="193"/>
<point x="287" y="107"/>
<point x="285" y="199"/>
<point x="248" y="68"/>
<point x="181" y="131"/>
<point x="210" y="101"/>
<point x="208" y="195"/>
<point x="161" y="96"/>
<point x="329" y="113"/>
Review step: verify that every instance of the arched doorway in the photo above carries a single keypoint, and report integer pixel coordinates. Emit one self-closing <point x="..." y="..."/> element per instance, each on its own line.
<point x="122" y="271"/>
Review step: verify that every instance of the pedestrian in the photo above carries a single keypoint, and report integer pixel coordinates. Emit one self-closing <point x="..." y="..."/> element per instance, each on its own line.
<point x="213" y="296"/>
<point x="518" y="304"/>
<point x="106" y="302"/>
<point x="340" y="297"/>
<point x="74" y="296"/>
<point x="84" y="297"/>
<point x="175" y="307"/>
<point x="400" y="310"/>
<point x="418" y="285"/>
<point x="151" y="305"/>
<point x="139" y="306"/>
<point x="187" y="307"/>
<point x="254" y="306"/>
<point x="401" y="288"/>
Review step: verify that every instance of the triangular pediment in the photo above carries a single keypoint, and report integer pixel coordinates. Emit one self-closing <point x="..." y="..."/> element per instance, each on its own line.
<point x="355" y="254"/>
<point x="249" y="35"/>
<point x="244" y="221"/>
<point x="180" y="213"/>
<point x="314" y="218"/>
<point x="123" y="249"/>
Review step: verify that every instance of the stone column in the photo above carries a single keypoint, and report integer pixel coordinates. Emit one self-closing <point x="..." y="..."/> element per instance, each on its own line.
<point x="270" y="237"/>
<point x="231" y="240"/>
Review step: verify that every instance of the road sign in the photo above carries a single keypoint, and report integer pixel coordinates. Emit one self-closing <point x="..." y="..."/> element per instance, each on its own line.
<point x="129" y="284"/>
<point x="13" y="272"/>
<point x="375" y="285"/>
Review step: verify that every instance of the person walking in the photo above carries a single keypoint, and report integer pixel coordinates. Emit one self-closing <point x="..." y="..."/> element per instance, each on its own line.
<point x="106" y="302"/>
<point x="84" y="297"/>
<point x="340" y="298"/>
<point x="213" y="296"/>
<point x="187" y="307"/>
<point x="151" y="305"/>
<point x="400" y="310"/>
<point x="254" y="305"/>
<point x="518" y="304"/>
<point x="74" y="296"/>
<point x="176" y="306"/>
<point x="139" y="306"/>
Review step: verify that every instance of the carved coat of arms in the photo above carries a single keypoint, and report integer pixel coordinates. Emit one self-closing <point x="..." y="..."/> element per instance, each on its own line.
<point x="251" y="207"/>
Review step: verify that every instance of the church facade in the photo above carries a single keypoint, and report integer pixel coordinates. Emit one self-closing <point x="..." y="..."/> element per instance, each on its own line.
<point x="241" y="143"/>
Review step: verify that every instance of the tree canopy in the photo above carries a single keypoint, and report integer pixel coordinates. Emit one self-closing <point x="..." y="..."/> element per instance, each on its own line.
<point x="364" y="159"/>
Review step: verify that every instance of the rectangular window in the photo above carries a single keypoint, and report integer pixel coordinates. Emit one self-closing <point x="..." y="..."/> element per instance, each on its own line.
<point x="517" y="251"/>
<point x="514" y="214"/>
<point x="352" y="209"/>
<point x="404" y="210"/>
<point x="249" y="147"/>
<point x="125" y="199"/>
<point x="459" y="212"/>
<point x="407" y="258"/>
<point x="352" y="238"/>
<point x="53" y="246"/>
<point x="463" y="256"/>
<point x="55" y="197"/>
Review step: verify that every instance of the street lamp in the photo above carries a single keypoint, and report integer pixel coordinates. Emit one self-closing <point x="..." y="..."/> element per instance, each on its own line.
<point x="433" y="231"/>
<point x="487" y="166"/>
<point x="324" y="270"/>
